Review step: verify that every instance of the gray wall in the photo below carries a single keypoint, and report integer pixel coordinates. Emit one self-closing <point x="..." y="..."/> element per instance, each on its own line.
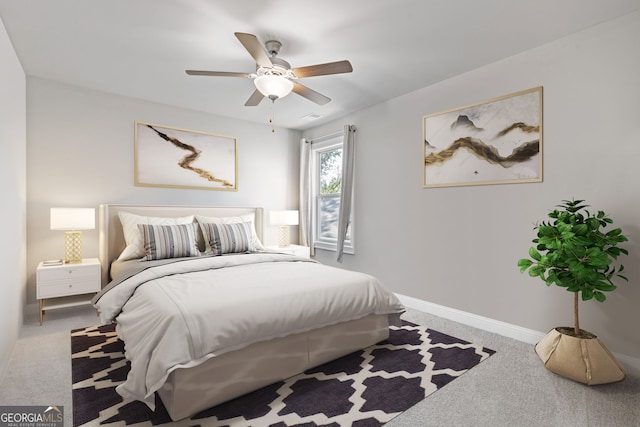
<point x="80" y="154"/>
<point x="13" y="187"/>
<point x="458" y="247"/>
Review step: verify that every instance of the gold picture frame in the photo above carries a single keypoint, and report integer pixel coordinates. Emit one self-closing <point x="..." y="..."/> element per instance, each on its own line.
<point x="497" y="141"/>
<point x="180" y="158"/>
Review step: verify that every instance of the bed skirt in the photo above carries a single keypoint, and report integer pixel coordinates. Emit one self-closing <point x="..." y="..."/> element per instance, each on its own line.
<point x="191" y="390"/>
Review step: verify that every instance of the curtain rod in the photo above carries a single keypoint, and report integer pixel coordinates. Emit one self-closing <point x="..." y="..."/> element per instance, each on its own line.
<point x="325" y="137"/>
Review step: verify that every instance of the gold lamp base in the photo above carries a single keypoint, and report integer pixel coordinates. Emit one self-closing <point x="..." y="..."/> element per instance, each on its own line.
<point x="72" y="247"/>
<point x="284" y="236"/>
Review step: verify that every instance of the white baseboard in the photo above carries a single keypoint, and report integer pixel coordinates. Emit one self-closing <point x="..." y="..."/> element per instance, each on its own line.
<point x="631" y="364"/>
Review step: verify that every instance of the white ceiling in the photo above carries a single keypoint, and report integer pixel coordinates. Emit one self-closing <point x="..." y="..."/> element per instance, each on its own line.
<point x="140" y="48"/>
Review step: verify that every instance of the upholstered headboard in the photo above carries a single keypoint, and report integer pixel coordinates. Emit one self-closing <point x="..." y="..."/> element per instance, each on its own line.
<point x="112" y="238"/>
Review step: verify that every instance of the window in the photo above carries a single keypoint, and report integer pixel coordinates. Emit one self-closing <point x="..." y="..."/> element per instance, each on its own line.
<point x="326" y="186"/>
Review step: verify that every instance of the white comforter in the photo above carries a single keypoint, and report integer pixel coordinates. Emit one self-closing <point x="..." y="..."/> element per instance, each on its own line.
<point x="181" y="314"/>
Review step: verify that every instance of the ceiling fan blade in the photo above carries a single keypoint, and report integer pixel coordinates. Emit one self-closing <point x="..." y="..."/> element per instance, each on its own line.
<point x="310" y="94"/>
<point x="255" y="49"/>
<point x="323" y="69"/>
<point x="254" y="99"/>
<point x="218" y="73"/>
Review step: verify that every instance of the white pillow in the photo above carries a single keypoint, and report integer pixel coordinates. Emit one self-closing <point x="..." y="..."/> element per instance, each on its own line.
<point x="133" y="237"/>
<point x="254" y="242"/>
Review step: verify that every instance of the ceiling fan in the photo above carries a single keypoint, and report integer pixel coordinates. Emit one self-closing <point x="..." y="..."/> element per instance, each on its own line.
<point x="274" y="78"/>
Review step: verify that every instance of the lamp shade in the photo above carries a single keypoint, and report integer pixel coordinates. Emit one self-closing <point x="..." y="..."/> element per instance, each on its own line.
<point x="283" y="217"/>
<point x="73" y="219"/>
<point x="273" y="86"/>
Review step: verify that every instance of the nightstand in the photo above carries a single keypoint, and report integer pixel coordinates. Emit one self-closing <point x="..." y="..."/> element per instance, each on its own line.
<point x="70" y="284"/>
<point x="301" y="251"/>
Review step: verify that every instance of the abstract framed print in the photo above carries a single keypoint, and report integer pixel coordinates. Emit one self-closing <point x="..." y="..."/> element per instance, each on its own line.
<point x="180" y="158"/>
<point x="497" y="141"/>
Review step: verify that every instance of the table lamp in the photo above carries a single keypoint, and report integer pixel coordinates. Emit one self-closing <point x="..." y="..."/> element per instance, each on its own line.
<point x="72" y="220"/>
<point x="284" y="219"/>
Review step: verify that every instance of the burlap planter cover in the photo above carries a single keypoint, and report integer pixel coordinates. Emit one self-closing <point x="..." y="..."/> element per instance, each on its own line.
<point x="586" y="360"/>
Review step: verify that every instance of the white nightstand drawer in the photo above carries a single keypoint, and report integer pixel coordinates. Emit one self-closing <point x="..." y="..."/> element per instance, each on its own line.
<point x="64" y="288"/>
<point x="67" y="272"/>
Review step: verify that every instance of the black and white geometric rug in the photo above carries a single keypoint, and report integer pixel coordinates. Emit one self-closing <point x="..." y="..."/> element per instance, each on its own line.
<point x="365" y="388"/>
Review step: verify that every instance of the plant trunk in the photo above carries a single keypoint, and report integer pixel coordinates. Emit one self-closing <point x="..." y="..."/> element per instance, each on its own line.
<point x="576" y="322"/>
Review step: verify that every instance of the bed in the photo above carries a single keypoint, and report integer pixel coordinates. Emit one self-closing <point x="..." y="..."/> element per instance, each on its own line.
<point x="215" y="324"/>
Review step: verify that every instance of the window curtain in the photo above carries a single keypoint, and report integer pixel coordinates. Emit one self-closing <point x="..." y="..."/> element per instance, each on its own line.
<point x="305" y="235"/>
<point x="346" y="193"/>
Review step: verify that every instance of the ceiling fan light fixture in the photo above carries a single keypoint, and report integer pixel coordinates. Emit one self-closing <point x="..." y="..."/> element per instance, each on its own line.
<point x="273" y="86"/>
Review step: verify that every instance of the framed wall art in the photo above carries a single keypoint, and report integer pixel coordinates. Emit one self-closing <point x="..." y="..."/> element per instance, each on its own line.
<point x="179" y="158"/>
<point x="497" y="141"/>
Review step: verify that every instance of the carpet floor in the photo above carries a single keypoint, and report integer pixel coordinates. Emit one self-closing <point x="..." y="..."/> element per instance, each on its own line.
<point x="366" y="388"/>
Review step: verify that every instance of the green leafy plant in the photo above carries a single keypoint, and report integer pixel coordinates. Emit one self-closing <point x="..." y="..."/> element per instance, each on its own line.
<point x="573" y="251"/>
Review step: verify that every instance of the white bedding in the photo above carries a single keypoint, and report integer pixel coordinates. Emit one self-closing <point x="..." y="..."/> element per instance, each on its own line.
<point x="181" y="314"/>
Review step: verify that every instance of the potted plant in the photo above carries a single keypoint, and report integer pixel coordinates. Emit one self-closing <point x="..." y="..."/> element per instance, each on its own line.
<point x="574" y="252"/>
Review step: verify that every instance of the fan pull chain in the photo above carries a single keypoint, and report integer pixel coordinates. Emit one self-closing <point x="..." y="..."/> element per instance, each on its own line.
<point x="271" y="118"/>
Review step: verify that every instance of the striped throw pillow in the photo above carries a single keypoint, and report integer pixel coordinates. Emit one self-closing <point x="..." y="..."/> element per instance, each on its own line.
<point x="169" y="241"/>
<point x="254" y="241"/>
<point x="226" y="238"/>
